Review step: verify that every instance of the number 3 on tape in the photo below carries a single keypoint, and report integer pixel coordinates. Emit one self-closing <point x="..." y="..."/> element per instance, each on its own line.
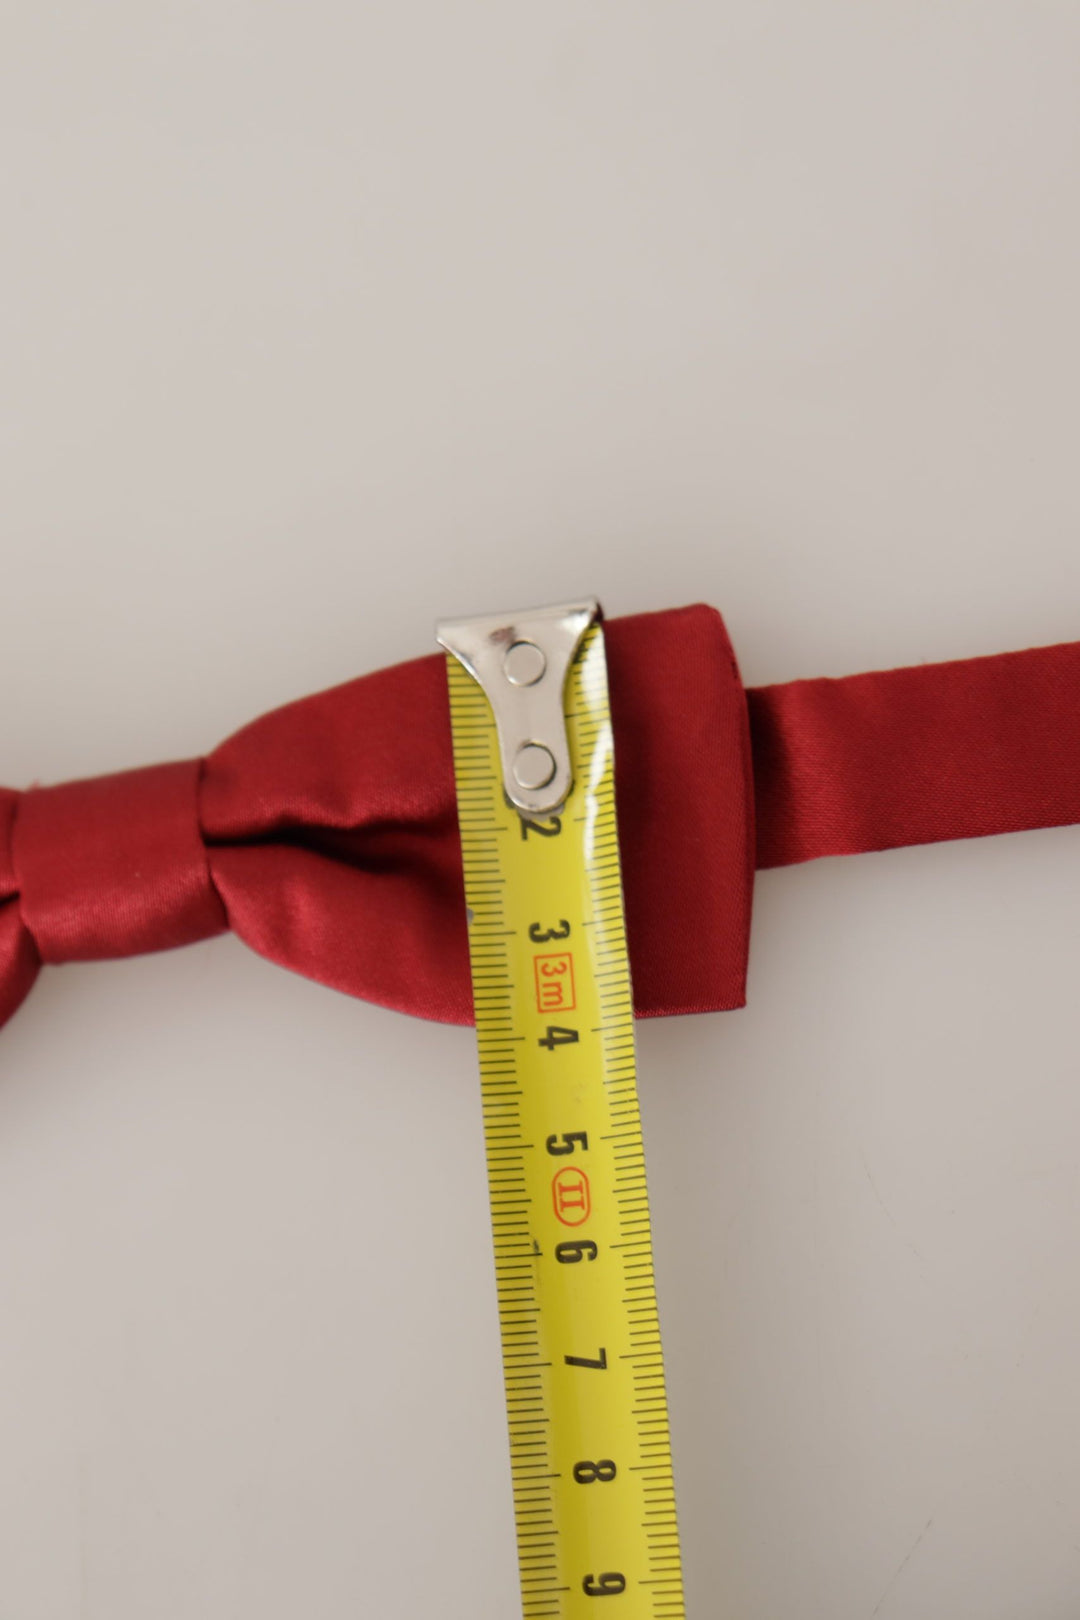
<point x="589" y="1443"/>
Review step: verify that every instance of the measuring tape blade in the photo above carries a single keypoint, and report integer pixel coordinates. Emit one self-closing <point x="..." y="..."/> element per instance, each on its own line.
<point x="589" y="1440"/>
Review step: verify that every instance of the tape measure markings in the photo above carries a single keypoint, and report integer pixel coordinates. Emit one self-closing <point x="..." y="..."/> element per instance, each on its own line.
<point x="590" y="1452"/>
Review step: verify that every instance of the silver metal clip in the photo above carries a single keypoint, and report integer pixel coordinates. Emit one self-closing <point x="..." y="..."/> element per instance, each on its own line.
<point x="522" y="660"/>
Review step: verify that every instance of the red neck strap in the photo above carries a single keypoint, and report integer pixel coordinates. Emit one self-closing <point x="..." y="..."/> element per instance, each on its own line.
<point x="914" y="756"/>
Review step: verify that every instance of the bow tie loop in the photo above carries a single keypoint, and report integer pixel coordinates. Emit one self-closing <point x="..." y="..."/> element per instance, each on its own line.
<point x="325" y="836"/>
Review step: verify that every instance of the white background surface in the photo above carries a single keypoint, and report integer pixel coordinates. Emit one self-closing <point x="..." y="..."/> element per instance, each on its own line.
<point x="316" y="323"/>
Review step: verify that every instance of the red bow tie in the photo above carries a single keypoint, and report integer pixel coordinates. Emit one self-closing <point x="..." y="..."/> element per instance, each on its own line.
<point x="325" y="834"/>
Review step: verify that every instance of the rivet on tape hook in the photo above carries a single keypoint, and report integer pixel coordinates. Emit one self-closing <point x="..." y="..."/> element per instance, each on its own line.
<point x="522" y="660"/>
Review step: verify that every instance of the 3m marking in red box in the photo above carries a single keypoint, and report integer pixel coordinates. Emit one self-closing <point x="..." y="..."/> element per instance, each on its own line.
<point x="554" y="982"/>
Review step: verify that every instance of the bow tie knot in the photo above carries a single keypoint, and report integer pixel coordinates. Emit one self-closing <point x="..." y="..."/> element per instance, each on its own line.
<point x="114" y="866"/>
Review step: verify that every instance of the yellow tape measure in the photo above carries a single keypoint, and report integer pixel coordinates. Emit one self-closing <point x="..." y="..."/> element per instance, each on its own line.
<point x="589" y="1443"/>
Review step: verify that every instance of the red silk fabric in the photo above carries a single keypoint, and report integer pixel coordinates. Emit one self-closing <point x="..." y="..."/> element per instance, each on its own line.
<point x="325" y="834"/>
<point x="914" y="756"/>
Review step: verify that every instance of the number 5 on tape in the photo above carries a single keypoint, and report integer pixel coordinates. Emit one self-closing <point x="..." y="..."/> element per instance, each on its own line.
<point x="589" y="1444"/>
